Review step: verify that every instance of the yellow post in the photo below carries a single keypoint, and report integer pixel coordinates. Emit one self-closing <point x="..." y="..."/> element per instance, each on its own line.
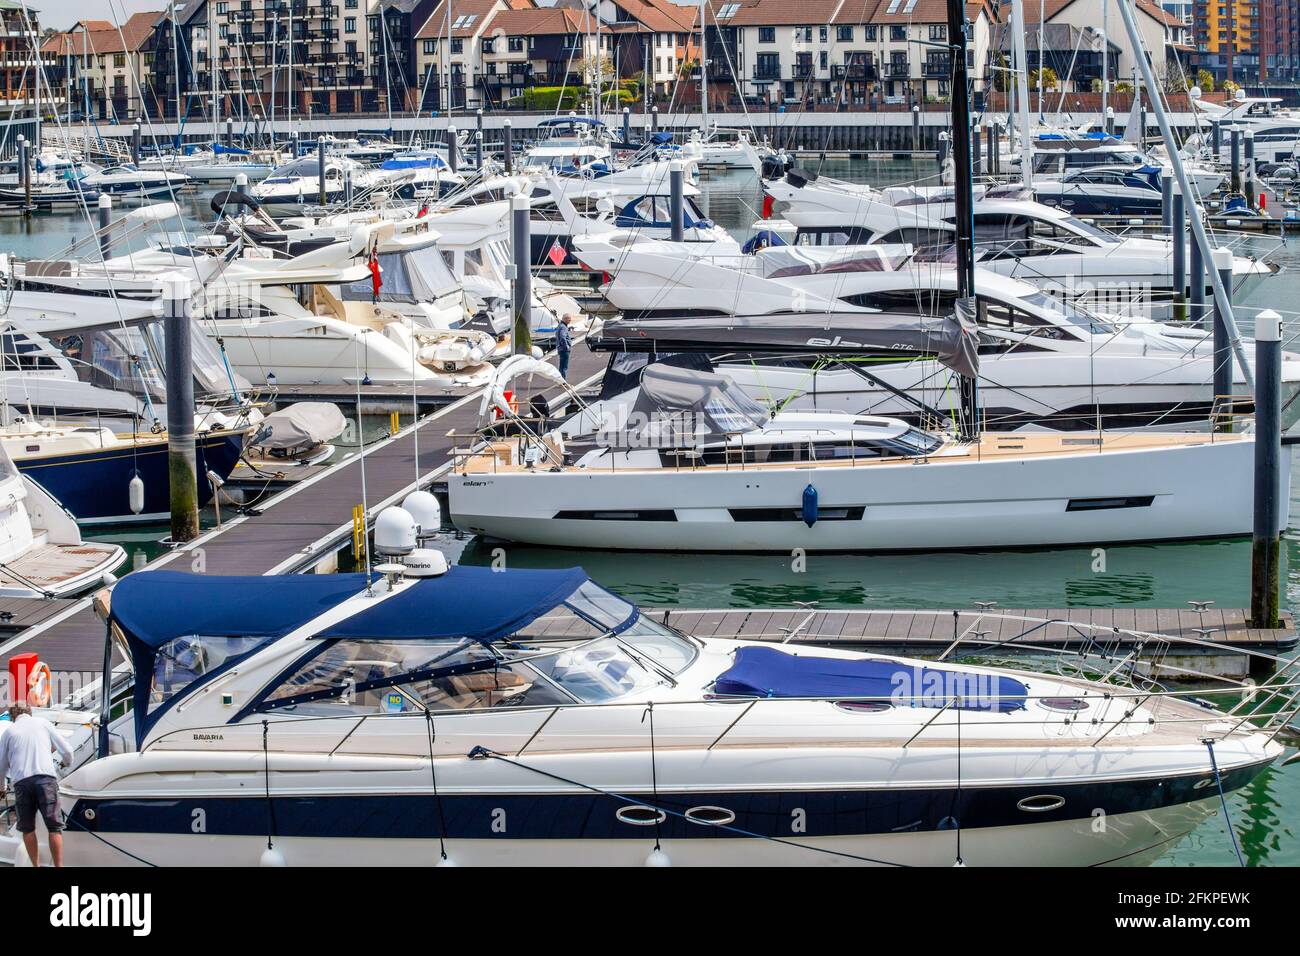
<point x="394" y="423"/>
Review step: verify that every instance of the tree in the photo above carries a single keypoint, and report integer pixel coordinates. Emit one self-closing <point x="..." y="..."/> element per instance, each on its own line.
<point x="1045" y="79"/>
<point x="1205" y="80"/>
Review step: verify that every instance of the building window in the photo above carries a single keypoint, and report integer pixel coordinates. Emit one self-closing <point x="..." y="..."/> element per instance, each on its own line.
<point x="429" y="47"/>
<point x="872" y="32"/>
<point x="350" y="4"/>
<point x="767" y="34"/>
<point x="844" y="34"/>
<point x="938" y="31"/>
<point x="349" y="24"/>
<point x="515" y="44"/>
<point x="823" y="59"/>
<point x="457" y="45"/>
<point x="898" y="34"/>
<point x="119" y="60"/>
<point x="821" y="33"/>
<point x="807" y="34"/>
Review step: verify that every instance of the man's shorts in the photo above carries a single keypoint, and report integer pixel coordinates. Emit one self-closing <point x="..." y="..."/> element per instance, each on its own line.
<point x="40" y="792"/>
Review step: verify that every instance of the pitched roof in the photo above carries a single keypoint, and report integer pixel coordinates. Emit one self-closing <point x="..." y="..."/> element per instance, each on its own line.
<point x="100" y="36"/>
<point x="1050" y="8"/>
<point x="468" y="17"/>
<point x="767" y="13"/>
<point x="659" y="16"/>
<point x="539" y="21"/>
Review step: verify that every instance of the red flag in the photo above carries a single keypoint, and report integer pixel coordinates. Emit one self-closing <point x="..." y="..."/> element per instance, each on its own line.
<point x="768" y="202"/>
<point x="556" y="253"/>
<point x="376" y="281"/>
<point x="424" y="209"/>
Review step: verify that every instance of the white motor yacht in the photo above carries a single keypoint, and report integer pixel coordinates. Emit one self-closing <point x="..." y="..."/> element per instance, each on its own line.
<point x="472" y="716"/>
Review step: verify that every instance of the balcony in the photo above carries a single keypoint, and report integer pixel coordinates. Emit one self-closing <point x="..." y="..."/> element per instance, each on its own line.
<point x="860" y="71"/>
<point x="767" y="73"/>
<point x="937" y="67"/>
<point x="803" y="70"/>
<point x="898" y="69"/>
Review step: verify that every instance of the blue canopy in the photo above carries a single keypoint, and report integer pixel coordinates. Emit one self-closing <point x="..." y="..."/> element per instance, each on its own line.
<point x="414" y="161"/>
<point x="477" y="603"/>
<point x="153" y="608"/>
<point x="767" y="672"/>
<point x="220" y="148"/>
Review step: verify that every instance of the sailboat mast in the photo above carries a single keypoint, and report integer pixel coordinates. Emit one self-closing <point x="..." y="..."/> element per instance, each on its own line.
<point x="1021" y="77"/>
<point x="963" y="193"/>
<point x="176" y="70"/>
<point x="212" y="73"/>
<point x="704" y="76"/>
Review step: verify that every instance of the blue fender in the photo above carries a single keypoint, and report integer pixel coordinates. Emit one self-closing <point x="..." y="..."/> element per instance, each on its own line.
<point x="809" y="510"/>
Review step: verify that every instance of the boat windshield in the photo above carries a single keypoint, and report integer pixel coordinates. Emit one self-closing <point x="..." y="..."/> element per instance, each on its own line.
<point x="592" y="648"/>
<point x="1067" y="313"/>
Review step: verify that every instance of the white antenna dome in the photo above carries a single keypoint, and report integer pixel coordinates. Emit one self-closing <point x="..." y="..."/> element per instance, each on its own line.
<point x="426" y="511"/>
<point x="394" y="532"/>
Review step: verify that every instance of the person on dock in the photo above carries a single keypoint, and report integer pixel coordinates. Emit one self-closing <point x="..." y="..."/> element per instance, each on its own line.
<point x="564" y="345"/>
<point x="27" y="750"/>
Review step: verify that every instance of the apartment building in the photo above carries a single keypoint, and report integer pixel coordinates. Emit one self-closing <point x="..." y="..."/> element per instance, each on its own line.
<point x="839" y="53"/>
<point x="18" y="33"/>
<point x="103" y="68"/>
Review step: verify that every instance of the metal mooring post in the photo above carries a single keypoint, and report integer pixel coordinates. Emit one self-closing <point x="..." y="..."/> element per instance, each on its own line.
<point x="677" y="200"/>
<point x="1265" y="554"/>
<point x="181" y="467"/>
<point x="521" y="248"/>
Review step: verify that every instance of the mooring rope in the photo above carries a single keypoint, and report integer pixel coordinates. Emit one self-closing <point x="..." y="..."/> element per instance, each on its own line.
<point x="437" y="797"/>
<point x="1223" y="800"/>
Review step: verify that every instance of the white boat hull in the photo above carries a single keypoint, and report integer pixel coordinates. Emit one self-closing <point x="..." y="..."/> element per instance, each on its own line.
<point x="1185" y="491"/>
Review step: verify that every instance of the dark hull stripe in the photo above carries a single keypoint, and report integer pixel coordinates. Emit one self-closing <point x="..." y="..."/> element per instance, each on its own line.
<point x="590" y="816"/>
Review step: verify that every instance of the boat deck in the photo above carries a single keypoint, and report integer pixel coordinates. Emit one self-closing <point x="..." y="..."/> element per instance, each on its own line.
<point x="499" y="456"/>
<point x="52" y="568"/>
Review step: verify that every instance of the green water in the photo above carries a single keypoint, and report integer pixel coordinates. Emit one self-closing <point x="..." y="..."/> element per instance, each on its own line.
<point x="1265" y="814"/>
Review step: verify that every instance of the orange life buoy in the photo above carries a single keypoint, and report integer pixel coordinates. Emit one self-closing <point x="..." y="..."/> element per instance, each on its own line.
<point x="38" y="685"/>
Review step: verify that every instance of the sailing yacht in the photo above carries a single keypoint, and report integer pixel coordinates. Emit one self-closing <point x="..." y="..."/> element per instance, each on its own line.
<point x="695" y="464"/>
<point x="479" y="717"/>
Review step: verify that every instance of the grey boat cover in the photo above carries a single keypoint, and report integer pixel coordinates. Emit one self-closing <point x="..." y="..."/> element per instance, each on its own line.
<point x="952" y="340"/>
<point x="303" y="423"/>
<point x="681" y="406"/>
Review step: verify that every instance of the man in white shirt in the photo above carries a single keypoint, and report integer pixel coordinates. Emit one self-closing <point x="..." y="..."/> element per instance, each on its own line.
<point x="27" y="749"/>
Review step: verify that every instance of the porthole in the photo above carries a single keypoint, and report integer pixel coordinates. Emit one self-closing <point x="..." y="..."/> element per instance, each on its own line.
<point x="710" y="816"/>
<point x="1041" y="803"/>
<point x="639" y="815"/>
<point x="863" y="706"/>
<point x="1068" y="705"/>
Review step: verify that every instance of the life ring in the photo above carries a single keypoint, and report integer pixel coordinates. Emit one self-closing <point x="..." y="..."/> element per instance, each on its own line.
<point x="38" y="685"/>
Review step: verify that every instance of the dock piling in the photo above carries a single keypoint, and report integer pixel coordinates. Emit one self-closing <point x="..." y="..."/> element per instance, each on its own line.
<point x="522" y="285"/>
<point x="181" y="468"/>
<point x="676" y="200"/>
<point x="25" y="172"/>
<point x="1222" y="348"/>
<point x="1167" y="198"/>
<point x="916" y="129"/>
<point x="105" y="214"/>
<point x="453" y="149"/>
<point x="230" y="131"/>
<point x="1236" y="159"/>
<point x="135" y="144"/>
<point x="976" y="164"/>
<point x="320" y="167"/>
<point x="1178" y="218"/>
<point x="508" y="145"/>
<point x="1265" y="542"/>
<point x="627" y="125"/>
<point x="1196" y="278"/>
<point x="1248" y="174"/>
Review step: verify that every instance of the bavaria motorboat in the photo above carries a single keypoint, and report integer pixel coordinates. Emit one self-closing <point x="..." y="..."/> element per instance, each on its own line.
<point x="473" y="716"/>
<point x="1014" y="236"/>
<point x="219" y="163"/>
<point x="106" y="477"/>
<point x="295" y="186"/>
<point x="127" y="181"/>
<point x="695" y="464"/>
<point x="1104" y="191"/>
<point x="42" y="554"/>
<point x="1277" y="130"/>
<point x="1057" y="155"/>
<point x="728" y="148"/>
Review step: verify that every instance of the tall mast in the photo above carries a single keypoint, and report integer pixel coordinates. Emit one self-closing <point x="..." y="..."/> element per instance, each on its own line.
<point x="447" y="105"/>
<point x="1021" y="78"/>
<point x="212" y="71"/>
<point x="963" y="193"/>
<point x="1105" y="58"/>
<point x="289" y="75"/>
<point x="176" y="70"/>
<point x="704" y="75"/>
